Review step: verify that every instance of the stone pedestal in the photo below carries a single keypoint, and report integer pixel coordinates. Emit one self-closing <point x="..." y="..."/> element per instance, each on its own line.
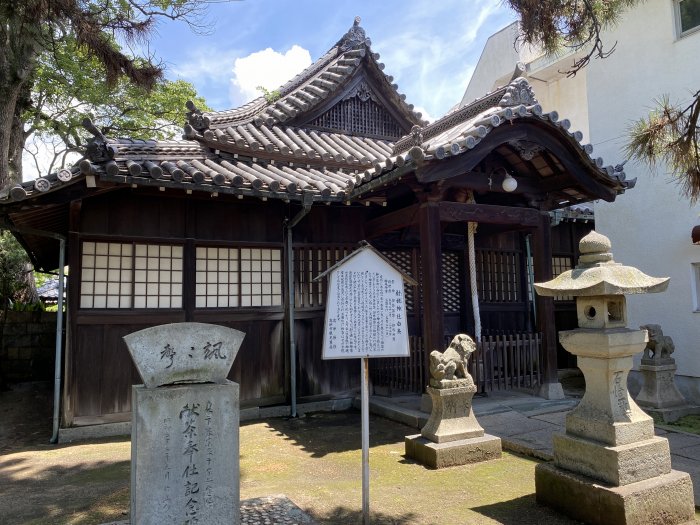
<point x="659" y="395"/>
<point x="184" y="450"/>
<point x="452" y="436"/>
<point x="663" y="499"/>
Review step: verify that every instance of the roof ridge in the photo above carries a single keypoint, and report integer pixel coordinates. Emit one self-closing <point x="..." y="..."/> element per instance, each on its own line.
<point x="305" y="91"/>
<point x="517" y="92"/>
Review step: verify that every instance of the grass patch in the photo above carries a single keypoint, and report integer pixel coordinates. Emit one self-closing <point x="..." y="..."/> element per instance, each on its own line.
<point x="690" y="424"/>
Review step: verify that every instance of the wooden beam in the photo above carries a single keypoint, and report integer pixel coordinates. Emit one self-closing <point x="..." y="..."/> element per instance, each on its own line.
<point x="466" y="162"/>
<point x="393" y="221"/>
<point x="488" y="213"/>
<point x="542" y="255"/>
<point x="573" y="161"/>
<point x="431" y="260"/>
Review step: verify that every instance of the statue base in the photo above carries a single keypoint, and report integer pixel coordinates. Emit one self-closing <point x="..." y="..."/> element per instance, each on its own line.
<point x="659" y="396"/>
<point x="451" y="417"/>
<point x="666" y="499"/>
<point x="453" y="453"/>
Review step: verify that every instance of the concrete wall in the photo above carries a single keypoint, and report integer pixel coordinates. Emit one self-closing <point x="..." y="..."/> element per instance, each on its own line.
<point x="28" y="346"/>
<point x="650" y="225"/>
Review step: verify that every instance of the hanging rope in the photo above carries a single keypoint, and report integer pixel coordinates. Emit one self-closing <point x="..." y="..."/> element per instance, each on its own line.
<point x="471" y="231"/>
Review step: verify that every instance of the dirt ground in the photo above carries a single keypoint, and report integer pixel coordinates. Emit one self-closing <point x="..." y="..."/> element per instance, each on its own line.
<point x="314" y="460"/>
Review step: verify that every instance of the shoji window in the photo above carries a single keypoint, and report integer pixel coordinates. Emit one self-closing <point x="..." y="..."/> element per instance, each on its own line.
<point x="128" y="275"/>
<point x="233" y="277"/>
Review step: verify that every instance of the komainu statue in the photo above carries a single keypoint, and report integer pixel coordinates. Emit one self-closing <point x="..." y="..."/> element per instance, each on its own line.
<point x="449" y="368"/>
<point x="660" y="346"/>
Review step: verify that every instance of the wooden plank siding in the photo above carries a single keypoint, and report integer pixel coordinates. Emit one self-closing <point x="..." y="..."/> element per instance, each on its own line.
<point x="99" y="371"/>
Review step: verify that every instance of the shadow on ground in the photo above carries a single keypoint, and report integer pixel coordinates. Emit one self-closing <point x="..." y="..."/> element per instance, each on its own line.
<point x="26" y="416"/>
<point x="324" y="433"/>
<point x="346" y="516"/>
<point x="522" y="511"/>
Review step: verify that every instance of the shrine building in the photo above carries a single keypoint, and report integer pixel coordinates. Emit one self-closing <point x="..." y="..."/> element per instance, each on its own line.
<point x="230" y="225"/>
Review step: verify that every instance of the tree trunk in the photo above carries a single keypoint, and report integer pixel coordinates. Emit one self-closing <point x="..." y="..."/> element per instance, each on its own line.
<point x="9" y="111"/>
<point x="17" y="134"/>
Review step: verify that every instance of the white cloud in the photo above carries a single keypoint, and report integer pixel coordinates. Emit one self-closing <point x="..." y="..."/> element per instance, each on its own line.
<point x="267" y="68"/>
<point x="433" y="67"/>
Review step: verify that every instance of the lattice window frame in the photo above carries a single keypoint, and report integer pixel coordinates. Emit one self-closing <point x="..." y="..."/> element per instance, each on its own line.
<point x="130" y="275"/>
<point x="238" y="277"/>
<point x="355" y="116"/>
<point x="498" y="276"/>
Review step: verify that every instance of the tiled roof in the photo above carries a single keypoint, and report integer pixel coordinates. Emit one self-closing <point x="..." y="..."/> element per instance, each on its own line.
<point x="287" y="162"/>
<point x="309" y="89"/>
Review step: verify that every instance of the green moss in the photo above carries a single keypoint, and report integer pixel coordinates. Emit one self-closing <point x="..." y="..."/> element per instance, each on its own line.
<point x="686" y="424"/>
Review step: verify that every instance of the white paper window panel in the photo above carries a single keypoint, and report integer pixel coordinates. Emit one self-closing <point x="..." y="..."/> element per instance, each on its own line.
<point x="101" y="248"/>
<point x="88" y="248"/>
<point x="99" y="301"/>
<point x="101" y="275"/>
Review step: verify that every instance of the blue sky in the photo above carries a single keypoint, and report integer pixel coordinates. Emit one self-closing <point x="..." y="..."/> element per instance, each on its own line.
<point x="430" y="48"/>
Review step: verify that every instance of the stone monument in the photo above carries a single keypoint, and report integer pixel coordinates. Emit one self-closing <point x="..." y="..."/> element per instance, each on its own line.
<point x="185" y="419"/>
<point x="609" y="467"/>
<point x="659" y="395"/>
<point x="452" y="436"/>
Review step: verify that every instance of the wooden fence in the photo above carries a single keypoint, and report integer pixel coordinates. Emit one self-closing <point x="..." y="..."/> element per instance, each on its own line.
<point x="500" y="362"/>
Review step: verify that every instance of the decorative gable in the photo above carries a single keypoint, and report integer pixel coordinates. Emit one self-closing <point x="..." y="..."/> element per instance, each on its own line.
<point x="359" y="112"/>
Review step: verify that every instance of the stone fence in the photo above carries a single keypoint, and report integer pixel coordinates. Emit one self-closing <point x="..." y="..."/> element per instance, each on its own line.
<point x="28" y="346"/>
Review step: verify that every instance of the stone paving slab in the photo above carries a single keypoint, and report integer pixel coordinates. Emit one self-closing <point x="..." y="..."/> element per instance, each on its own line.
<point x="688" y="452"/>
<point x="510" y="423"/>
<point x="269" y="510"/>
<point x="679" y="441"/>
<point x="556" y="418"/>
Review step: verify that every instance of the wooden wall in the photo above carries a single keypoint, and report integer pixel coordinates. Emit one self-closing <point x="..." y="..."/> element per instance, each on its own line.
<point x="99" y="371"/>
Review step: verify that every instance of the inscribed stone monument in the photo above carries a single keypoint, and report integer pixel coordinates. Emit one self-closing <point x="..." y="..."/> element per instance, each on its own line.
<point x="185" y="420"/>
<point x="609" y="467"/>
<point x="452" y="436"/>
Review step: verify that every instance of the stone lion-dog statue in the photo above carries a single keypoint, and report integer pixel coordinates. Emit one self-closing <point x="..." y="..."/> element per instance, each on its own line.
<point x="449" y="367"/>
<point x="660" y="346"/>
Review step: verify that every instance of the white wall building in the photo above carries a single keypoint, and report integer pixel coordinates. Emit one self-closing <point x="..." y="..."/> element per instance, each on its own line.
<point x="658" y="45"/>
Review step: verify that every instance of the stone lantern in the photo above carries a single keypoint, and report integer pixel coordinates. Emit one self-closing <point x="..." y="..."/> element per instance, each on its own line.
<point x="609" y="467"/>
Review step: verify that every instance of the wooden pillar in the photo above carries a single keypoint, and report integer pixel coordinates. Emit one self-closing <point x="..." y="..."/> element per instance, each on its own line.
<point x="542" y="255"/>
<point x="431" y="262"/>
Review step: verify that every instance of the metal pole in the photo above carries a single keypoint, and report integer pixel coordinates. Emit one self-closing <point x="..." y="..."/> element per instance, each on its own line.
<point x="59" y="339"/>
<point x="365" y="439"/>
<point x="306" y="203"/>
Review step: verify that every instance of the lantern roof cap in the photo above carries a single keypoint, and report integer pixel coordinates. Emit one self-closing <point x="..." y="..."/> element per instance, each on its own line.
<point x="598" y="274"/>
